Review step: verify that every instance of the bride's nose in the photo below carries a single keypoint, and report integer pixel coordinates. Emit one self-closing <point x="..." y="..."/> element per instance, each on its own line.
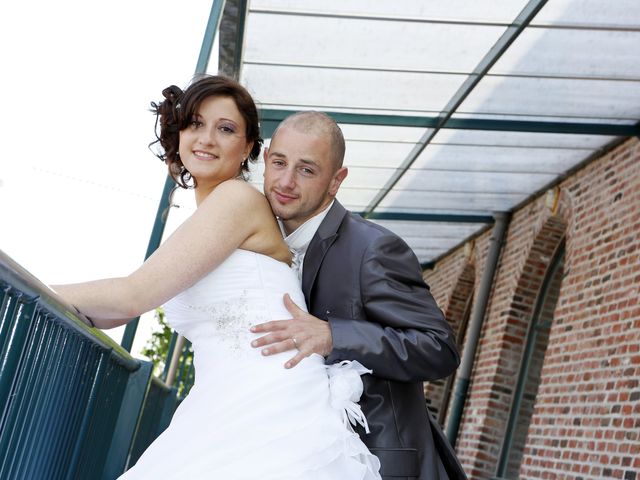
<point x="207" y="136"/>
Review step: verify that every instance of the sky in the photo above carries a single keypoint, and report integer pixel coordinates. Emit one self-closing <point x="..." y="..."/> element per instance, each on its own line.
<point x="79" y="188"/>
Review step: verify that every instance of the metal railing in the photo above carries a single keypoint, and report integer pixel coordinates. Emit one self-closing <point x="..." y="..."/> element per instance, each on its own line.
<point x="73" y="403"/>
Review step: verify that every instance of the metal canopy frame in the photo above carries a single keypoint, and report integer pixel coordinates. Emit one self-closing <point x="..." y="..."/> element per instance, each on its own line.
<point x="448" y="118"/>
<point x="258" y="26"/>
<point x="270" y="118"/>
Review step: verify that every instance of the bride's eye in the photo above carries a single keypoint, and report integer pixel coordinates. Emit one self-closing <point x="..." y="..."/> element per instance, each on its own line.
<point x="226" y="129"/>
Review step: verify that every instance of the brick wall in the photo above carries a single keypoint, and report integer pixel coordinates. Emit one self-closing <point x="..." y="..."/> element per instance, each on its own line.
<point x="585" y="421"/>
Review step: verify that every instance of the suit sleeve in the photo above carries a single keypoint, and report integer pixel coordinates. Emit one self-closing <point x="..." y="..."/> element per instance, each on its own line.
<point x="404" y="336"/>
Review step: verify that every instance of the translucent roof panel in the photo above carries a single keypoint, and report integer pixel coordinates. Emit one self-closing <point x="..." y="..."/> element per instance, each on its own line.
<point x="621" y="14"/>
<point x="599" y="100"/>
<point x="473" y="158"/>
<point x="429" y="239"/>
<point x="572" y="53"/>
<point x="414" y="47"/>
<point x="327" y="89"/>
<point x="375" y="154"/>
<point x="472" y="182"/>
<point x="377" y="133"/>
<point x="521" y="139"/>
<point x="558" y="91"/>
<point x="421" y="201"/>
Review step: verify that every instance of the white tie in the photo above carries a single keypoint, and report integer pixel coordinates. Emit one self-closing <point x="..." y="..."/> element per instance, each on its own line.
<point x="296" y="262"/>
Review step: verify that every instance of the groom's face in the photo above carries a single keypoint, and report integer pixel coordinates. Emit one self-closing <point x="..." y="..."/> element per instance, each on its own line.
<point x="300" y="177"/>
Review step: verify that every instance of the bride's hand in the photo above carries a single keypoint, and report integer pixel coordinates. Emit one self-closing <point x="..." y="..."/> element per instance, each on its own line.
<point x="304" y="332"/>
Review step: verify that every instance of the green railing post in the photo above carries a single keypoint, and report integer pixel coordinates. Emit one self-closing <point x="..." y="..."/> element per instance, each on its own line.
<point x="88" y="413"/>
<point x="12" y="337"/>
<point x="127" y="423"/>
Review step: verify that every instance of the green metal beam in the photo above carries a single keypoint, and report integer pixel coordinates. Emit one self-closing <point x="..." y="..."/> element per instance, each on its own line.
<point x="270" y="118"/>
<point x="209" y="35"/>
<point x="242" y="18"/>
<point x="163" y="207"/>
<point x="427" y="265"/>
<point x="231" y="38"/>
<point x="578" y="128"/>
<point x="508" y="37"/>
<point x="429" y="217"/>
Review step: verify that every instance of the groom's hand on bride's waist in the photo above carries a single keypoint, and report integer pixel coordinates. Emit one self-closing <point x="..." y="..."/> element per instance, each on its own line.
<point x="304" y="333"/>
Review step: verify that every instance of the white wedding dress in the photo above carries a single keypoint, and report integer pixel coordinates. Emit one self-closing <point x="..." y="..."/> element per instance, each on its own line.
<point x="246" y="416"/>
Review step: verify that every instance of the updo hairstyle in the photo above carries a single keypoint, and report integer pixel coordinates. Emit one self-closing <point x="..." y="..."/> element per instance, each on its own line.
<point x="177" y="110"/>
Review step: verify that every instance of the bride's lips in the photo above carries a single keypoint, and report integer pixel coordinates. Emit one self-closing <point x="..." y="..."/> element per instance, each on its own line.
<point x="202" y="155"/>
<point x="283" y="197"/>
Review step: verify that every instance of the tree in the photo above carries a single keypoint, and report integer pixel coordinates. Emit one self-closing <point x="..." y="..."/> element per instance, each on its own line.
<point x="157" y="350"/>
<point x="157" y="346"/>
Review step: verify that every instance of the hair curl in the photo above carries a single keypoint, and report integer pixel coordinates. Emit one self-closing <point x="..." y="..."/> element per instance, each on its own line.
<point x="175" y="112"/>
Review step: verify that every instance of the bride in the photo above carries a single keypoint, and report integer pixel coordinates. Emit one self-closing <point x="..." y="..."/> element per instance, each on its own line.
<point x="223" y="270"/>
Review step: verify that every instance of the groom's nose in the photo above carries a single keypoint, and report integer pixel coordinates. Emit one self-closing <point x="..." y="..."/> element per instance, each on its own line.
<point x="287" y="179"/>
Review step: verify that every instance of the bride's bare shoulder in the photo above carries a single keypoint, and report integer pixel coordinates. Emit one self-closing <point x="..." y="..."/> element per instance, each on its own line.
<point x="241" y="193"/>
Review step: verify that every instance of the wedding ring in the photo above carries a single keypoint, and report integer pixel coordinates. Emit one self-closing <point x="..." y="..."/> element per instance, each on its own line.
<point x="294" y="342"/>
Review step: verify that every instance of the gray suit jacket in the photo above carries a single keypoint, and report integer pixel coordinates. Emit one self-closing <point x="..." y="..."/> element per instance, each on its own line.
<point x="367" y="283"/>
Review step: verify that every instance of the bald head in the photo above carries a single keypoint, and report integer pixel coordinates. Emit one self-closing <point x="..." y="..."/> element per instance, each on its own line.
<point x="322" y="125"/>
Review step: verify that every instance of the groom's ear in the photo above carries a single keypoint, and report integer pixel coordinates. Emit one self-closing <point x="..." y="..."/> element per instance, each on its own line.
<point x="265" y="155"/>
<point x="337" y="179"/>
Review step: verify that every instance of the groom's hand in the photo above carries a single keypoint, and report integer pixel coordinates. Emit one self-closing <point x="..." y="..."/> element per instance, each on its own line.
<point x="311" y="335"/>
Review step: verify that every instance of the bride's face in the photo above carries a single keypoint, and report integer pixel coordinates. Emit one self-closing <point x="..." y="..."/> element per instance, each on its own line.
<point x="214" y="145"/>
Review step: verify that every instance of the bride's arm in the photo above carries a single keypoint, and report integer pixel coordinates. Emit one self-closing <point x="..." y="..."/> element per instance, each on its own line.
<point x="230" y="215"/>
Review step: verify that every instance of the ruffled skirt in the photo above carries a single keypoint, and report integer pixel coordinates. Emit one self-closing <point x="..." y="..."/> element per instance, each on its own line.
<point x="264" y="423"/>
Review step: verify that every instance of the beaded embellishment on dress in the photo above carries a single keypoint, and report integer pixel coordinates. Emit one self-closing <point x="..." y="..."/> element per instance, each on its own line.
<point x="230" y="320"/>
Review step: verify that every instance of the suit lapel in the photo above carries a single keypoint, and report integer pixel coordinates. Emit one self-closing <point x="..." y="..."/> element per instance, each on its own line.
<point x="323" y="239"/>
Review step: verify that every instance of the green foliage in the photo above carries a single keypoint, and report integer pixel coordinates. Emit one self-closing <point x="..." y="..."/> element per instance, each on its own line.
<point x="157" y="349"/>
<point x="157" y="346"/>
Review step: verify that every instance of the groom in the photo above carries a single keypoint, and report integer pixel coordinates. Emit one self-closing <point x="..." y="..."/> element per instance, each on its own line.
<point x="366" y="298"/>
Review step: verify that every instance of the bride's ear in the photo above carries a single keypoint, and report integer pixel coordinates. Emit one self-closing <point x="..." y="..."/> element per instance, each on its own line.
<point x="247" y="150"/>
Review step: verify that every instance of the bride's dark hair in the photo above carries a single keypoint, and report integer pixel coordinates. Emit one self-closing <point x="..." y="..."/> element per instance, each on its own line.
<point x="175" y="112"/>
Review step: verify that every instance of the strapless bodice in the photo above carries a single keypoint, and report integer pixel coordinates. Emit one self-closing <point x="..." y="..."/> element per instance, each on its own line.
<point x="216" y="313"/>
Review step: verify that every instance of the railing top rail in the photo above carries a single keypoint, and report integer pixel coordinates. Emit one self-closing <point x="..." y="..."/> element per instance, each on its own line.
<point x="19" y="278"/>
<point x="160" y="384"/>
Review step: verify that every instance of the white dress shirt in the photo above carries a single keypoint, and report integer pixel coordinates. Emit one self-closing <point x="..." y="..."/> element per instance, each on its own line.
<point x="298" y="240"/>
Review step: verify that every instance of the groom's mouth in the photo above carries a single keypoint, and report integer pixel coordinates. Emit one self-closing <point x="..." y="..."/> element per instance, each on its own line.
<point x="283" y="197"/>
